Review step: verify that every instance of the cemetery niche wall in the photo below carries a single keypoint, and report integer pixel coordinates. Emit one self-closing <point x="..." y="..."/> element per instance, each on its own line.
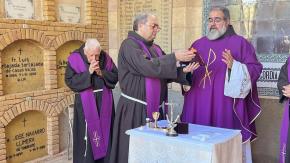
<point x="21" y="100"/>
<point x="22" y="67"/>
<point x="26" y="137"/>
<point x="33" y="52"/>
<point x="61" y="59"/>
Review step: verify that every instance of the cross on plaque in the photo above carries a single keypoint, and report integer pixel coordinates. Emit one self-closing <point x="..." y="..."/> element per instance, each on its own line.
<point x="20" y="50"/>
<point x="24" y="121"/>
<point x="96" y="139"/>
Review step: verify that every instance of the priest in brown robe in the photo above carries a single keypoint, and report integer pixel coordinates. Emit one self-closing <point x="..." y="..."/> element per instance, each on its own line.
<point x="92" y="75"/>
<point x="143" y="72"/>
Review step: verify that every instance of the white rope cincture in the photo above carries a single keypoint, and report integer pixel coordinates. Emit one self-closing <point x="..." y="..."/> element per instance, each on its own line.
<point x="133" y="99"/>
<point x="86" y="139"/>
<point x="136" y="100"/>
<point x="69" y="122"/>
<point x="71" y="130"/>
<point x="95" y="91"/>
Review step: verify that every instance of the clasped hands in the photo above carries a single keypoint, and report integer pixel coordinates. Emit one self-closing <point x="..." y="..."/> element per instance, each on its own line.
<point x="95" y="67"/>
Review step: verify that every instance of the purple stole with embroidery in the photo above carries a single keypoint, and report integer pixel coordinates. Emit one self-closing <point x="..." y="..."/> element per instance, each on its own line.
<point x="152" y="85"/>
<point x="285" y="124"/>
<point x="99" y="124"/>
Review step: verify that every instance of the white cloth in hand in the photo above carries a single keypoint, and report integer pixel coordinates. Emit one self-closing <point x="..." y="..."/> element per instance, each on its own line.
<point x="238" y="84"/>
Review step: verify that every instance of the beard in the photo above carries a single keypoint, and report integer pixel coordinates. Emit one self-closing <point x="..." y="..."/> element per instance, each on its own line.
<point x="214" y="34"/>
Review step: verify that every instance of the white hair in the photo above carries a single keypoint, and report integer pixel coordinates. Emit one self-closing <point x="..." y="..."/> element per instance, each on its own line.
<point x="92" y="44"/>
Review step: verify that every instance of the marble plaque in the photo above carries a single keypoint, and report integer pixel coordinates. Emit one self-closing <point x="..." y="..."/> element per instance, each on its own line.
<point x="22" y="67"/>
<point x="26" y="137"/>
<point x="161" y="8"/>
<point x="69" y="13"/>
<point x="62" y="54"/>
<point x="19" y="9"/>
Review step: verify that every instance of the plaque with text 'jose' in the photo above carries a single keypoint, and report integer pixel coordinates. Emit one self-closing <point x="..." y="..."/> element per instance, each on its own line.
<point x="161" y="8"/>
<point x="19" y="9"/>
<point x="62" y="54"/>
<point x="22" y="67"/>
<point x="26" y="137"/>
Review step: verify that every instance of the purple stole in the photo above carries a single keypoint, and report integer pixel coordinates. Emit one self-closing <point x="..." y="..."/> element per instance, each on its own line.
<point x="285" y="124"/>
<point x="152" y="85"/>
<point x="99" y="124"/>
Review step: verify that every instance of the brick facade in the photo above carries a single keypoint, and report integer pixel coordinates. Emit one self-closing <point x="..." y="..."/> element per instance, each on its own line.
<point x="50" y="35"/>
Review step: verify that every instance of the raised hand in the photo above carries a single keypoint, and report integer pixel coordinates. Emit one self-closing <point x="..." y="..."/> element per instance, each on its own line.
<point x="228" y="58"/>
<point x="184" y="56"/>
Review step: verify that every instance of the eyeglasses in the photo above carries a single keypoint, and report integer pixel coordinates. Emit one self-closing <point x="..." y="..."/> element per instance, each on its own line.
<point x="215" y="20"/>
<point x="154" y="26"/>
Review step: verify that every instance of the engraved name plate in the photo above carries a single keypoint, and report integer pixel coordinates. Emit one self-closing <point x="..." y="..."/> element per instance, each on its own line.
<point x="19" y="9"/>
<point x="70" y="13"/>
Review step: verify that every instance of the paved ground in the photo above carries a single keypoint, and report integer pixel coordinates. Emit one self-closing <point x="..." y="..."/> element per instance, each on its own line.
<point x="59" y="158"/>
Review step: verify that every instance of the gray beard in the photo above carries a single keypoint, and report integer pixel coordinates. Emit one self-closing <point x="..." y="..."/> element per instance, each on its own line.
<point x="214" y="34"/>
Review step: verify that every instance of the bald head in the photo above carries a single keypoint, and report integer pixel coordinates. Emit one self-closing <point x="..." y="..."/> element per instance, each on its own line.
<point x="146" y="25"/>
<point x="141" y="18"/>
<point x="224" y="10"/>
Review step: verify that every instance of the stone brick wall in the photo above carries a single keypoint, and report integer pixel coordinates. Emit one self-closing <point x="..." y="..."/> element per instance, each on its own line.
<point x="50" y="35"/>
